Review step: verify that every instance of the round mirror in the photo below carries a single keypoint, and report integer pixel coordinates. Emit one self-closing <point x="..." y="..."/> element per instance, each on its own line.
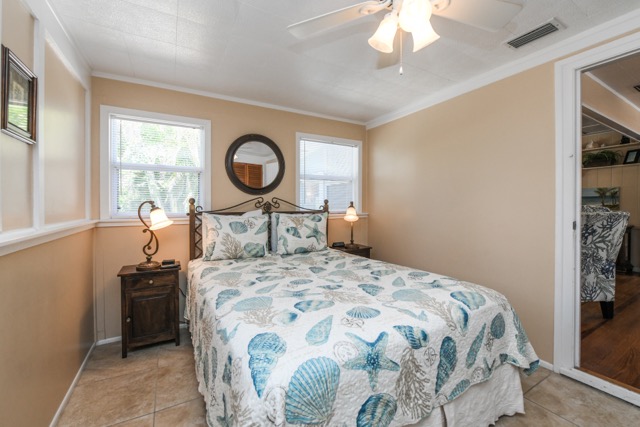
<point x="255" y="164"/>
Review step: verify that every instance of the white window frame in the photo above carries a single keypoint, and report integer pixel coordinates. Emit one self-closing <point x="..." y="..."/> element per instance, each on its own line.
<point x="357" y="192"/>
<point x="106" y="111"/>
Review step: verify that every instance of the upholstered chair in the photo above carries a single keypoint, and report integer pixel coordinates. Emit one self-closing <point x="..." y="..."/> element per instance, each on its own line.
<point x="602" y="234"/>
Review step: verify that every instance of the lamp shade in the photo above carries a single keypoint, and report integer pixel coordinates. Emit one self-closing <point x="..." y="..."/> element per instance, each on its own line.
<point x="351" y="215"/>
<point x="382" y="39"/>
<point x="423" y="36"/>
<point x="414" y="13"/>
<point x="158" y="219"/>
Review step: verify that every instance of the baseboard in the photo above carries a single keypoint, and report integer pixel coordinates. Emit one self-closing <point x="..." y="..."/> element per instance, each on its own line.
<point x="67" y="396"/>
<point x="546" y="365"/>
<point x="109" y="340"/>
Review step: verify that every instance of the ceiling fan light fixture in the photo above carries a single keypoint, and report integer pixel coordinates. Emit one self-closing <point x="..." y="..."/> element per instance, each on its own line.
<point x="382" y="39"/>
<point x="423" y="36"/>
<point x="413" y="13"/>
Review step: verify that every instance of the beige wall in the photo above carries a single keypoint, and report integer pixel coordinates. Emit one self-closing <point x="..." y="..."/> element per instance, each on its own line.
<point x="64" y="145"/>
<point x="605" y="102"/>
<point x="118" y="246"/>
<point x="466" y="188"/>
<point x="16" y="170"/>
<point x="46" y="326"/>
<point x="46" y="309"/>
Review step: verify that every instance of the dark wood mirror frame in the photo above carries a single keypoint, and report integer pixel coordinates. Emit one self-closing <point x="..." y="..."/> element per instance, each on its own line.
<point x="229" y="159"/>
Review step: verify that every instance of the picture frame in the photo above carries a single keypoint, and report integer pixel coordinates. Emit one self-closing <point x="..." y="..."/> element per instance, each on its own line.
<point x="632" y="156"/>
<point x="19" y="98"/>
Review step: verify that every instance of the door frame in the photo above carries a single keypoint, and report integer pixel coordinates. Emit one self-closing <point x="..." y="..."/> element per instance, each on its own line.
<point x="568" y="199"/>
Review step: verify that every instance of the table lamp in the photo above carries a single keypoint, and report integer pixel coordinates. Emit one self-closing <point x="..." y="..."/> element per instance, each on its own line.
<point x="158" y="220"/>
<point x="351" y="216"/>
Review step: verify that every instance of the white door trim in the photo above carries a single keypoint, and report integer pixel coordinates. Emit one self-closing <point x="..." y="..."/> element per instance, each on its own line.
<point x="568" y="180"/>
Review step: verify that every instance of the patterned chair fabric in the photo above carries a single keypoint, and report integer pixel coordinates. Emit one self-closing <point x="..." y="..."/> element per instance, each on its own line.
<point x="602" y="235"/>
<point x="594" y="208"/>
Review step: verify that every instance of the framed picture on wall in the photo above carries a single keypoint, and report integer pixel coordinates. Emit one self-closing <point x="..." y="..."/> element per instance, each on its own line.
<point x="632" y="157"/>
<point x="19" y="95"/>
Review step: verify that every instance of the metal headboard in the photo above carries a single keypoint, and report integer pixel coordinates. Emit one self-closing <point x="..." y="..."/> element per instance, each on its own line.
<point x="274" y="205"/>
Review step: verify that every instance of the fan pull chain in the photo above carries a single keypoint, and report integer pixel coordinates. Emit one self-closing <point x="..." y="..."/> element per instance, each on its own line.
<point x="401" y="71"/>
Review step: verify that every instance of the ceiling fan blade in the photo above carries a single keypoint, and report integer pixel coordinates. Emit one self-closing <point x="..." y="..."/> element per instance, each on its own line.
<point x="338" y="17"/>
<point x="490" y="15"/>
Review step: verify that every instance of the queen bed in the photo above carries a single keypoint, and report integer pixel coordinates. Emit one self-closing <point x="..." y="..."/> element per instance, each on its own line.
<point x="289" y="332"/>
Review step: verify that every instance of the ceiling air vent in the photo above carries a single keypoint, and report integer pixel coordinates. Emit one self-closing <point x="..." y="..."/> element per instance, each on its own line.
<point x="535" y="34"/>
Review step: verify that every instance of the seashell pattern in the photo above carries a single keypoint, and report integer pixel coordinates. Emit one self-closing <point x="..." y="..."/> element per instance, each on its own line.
<point x="287" y="317"/>
<point x="226" y="295"/>
<point x="472" y="355"/>
<point x="226" y="373"/>
<point x="372" y="290"/>
<point x="292" y="343"/>
<point x="264" y="351"/>
<point x="497" y="326"/>
<point x="238" y="227"/>
<point x="461" y="317"/>
<point x="378" y="411"/>
<point x="266" y="289"/>
<point x="362" y="312"/>
<point x="254" y="303"/>
<point x="319" y="333"/>
<point x="416" y="337"/>
<point x="408" y="295"/>
<point x="448" y="361"/>
<point x="380" y="273"/>
<point x="313" y="305"/>
<point x="473" y="300"/>
<point x="398" y="282"/>
<point x="459" y="388"/>
<point x="312" y="392"/>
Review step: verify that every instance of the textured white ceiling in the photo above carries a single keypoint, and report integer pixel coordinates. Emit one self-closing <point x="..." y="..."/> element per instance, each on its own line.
<point x="242" y="49"/>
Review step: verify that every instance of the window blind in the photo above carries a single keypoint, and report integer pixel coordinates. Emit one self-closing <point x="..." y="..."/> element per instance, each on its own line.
<point x="328" y="171"/>
<point x="154" y="161"/>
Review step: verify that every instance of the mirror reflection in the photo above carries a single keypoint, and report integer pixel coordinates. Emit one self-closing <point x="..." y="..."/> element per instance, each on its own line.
<point x="255" y="164"/>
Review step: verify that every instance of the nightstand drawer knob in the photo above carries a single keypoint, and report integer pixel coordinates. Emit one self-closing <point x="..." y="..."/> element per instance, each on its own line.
<point x="151" y="282"/>
<point x="128" y="319"/>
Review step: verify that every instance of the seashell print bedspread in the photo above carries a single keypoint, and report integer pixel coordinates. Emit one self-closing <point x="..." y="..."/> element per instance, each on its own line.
<point x="331" y="339"/>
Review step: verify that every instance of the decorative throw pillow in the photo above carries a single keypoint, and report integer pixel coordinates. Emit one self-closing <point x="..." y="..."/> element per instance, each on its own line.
<point x="300" y="233"/>
<point x="232" y="236"/>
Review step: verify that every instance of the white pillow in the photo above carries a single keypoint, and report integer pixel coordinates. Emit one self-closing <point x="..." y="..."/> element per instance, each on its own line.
<point x="299" y="233"/>
<point x="234" y="236"/>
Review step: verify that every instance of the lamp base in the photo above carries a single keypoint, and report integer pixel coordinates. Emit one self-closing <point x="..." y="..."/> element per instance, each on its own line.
<point x="148" y="265"/>
<point x="351" y="246"/>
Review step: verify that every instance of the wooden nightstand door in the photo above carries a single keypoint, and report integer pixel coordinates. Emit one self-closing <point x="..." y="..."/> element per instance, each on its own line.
<point x="149" y="307"/>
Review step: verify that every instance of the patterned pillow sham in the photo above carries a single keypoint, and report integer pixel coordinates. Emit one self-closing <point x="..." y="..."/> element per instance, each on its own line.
<point x="300" y="233"/>
<point x="232" y="236"/>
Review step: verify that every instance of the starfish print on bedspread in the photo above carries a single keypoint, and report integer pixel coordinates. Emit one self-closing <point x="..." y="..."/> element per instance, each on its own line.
<point x="371" y="357"/>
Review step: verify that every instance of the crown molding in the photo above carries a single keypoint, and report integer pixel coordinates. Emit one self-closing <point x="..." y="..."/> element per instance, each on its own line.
<point x="608" y="30"/>
<point x="219" y="96"/>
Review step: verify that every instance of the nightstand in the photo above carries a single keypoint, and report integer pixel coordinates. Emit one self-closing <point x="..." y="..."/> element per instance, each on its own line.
<point x="149" y="301"/>
<point x="360" y="250"/>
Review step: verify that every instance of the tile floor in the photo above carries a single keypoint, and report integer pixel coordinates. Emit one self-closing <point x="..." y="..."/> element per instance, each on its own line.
<point x="156" y="386"/>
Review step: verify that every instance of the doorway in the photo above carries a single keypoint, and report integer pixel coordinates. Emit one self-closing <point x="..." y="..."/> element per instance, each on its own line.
<point x="567" y="338"/>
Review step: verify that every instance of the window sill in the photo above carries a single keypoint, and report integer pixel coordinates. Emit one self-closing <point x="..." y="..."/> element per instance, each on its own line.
<point x="134" y="222"/>
<point x="17" y="240"/>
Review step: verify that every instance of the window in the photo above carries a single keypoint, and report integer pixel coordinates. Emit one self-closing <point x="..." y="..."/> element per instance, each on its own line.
<point x="149" y="156"/>
<point x="328" y="168"/>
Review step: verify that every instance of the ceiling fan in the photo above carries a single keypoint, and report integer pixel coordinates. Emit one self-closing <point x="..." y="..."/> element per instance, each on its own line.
<point x="414" y="16"/>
